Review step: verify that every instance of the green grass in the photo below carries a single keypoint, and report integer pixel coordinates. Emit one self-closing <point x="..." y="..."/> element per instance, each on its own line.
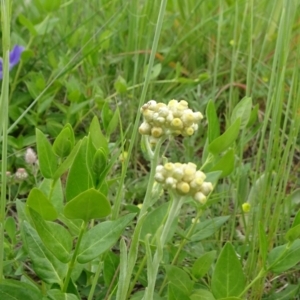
<point x="98" y="53"/>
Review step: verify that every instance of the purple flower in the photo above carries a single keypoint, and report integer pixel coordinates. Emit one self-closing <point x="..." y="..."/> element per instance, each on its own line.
<point x="14" y="58"/>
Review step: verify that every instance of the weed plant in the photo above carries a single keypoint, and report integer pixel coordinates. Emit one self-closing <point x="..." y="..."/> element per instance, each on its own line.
<point x="107" y="194"/>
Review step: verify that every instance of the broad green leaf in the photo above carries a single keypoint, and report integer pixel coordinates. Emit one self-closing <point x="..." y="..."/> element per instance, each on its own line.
<point x="101" y="238"/>
<point x="106" y="116"/>
<point x="64" y="142"/>
<point x="253" y="116"/>
<point x="98" y="139"/>
<point x="99" y="166"/>
<point x="293" y="233"/>
<point x="113" y="122"/>
<point x="40" y="203"/>
<point x="203" y="263"/>
<point x="263" y="243"/>
<point x="88" y="205"/>
<point x="224" y="141"/>
<point x="153" y="220"/>
<point x="59" y="295"/>
<point x="155" y="71"/>
<point x="179" y="278"/>
<point x="27" y="23"/>
<point x="242" y="111"/>
<point x="290" y="292"/>
<point x="290" y="258"/>
<point x="120" y="85"/>
<point x="17" y="290"/>
<point x="174" y="293"/>
<point x="54" y="236"/>
<point x="228" y="279"/>
<point x="66" y="164"/>
<point x="202" y="295"/>
<point x="296" y="221"/>
<point x="11" y="228"/>
<point x="79" y="177"/>
<point x="207" y="228"/>
<point x="46" y="266"/>
<point x="56" y="193"/>
<point x="47" y="159"/>
<point x="213" y="121"/>
<point x="225" y="164"/>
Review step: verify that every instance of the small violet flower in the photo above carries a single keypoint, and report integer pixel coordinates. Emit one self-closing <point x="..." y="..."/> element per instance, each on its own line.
<point x="14" y="58"/>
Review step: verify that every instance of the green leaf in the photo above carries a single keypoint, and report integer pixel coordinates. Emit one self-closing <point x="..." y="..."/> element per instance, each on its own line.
<point x="64" y="142"/>
<point x="65" y="165"/>
<point x="225" y="164"/>
<point x="54" y="236"/>
<point x="213" y="121"/>
<point x="79" y="177"/>
<point x="40" y="203"/>
<point x="11" y="228"/>
<point x="288" y="293"/>
<point x="17" y="290"/>
<point x="88" y="205"/>
<point x="242" y="111"/>
<point x="59" y="295"/>
<point x="110" y="268"/>
<point x="296" y="221"/>
<point x="120" y="85"/>
<point x="99" y="165"/>
<point x="253" y="116"/>
<point x="223" y="142"/>
<point x="174" y="293"/>
<point x="180" y="279"/>
<point x="203" y="263"/>
<point x="27" y="23"/>
<point x="98" y="139"/>
<point x="113" y="122"/>
<point x="101" y="238"/>
<point x="46" y="266"/>
<point x="202" y="295"/>
<point x="286" y="261"/>
<point x="155" y="71"/>
<point x="228" y="279"/>
<point x="293" y="233"/>
<point x="207" y="228"/>
<point x="46" y="26"/>
<point x="47" y="159"/>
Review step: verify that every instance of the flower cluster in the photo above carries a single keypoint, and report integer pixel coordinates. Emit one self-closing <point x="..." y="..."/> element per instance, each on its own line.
<point x="185" y="179"/>
<point x="172" y="119"/>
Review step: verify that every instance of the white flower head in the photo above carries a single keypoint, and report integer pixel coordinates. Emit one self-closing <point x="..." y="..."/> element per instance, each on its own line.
<point x="21" y="174"/>
<point x="30" y="156"/>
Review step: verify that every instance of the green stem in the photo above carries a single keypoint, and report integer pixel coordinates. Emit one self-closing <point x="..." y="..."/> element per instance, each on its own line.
<point x="154" y="162"/>
<point x="182" y="244"/>
<point x="73" y="260"/>
<point x="153" y="268"/>
<point x="260" y="275"/>
<point x="95" y="279"/>
<point x="5" y="17"/>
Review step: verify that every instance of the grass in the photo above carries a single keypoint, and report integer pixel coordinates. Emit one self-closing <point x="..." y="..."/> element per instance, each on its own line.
<point x="114" y="53"/>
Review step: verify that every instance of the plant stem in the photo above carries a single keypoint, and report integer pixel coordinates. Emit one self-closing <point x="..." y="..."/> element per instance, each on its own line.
<point x="5" y="17"/>
<point x="182" y="244"/>
<point x="73" y="260"/>
<point x="154" y="162"/>
<point x="153" y="268"/>
<point x="95" y="279"/>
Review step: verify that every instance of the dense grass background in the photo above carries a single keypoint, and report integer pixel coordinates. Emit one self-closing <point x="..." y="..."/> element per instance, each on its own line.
<point x="86" y="58"/>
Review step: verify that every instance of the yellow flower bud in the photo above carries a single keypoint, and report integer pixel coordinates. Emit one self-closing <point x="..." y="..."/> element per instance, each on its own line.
<point x="177" y="123"/>
<point x="183" y="187"/>
<point x="145" y="128"/>
<point x="246" y="207"/>
<point x="200" y="198"/>
<point x="172" y="103"/>
<point x="123" y="156"/>
<point x="189" y="131"/>
<point x="183" y="103"/>
<point x="156" y="132"/>
<point x="169" y="167"/>
<point x="206" y="188"/>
